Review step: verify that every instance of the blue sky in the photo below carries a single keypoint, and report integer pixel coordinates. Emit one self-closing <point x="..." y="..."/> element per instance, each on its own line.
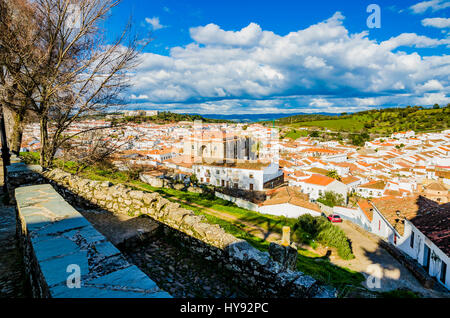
<point x="287" y="56"/>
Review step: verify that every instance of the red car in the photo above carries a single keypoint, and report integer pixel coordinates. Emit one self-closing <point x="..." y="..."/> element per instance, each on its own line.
<point x="334" y="218"/>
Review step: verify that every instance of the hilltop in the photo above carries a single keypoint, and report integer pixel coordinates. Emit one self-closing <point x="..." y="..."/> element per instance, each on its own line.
<point x="377" y="121"/>
<point x="164" y="117"/>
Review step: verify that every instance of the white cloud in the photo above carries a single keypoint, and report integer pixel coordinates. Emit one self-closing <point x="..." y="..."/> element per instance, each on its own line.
<point x="433" y="98"/>
<point x="434" y="5"/>
<point x="431" y="85"/>
<point x="437" y="22"/>
<point x="412" y="40"/>
<point x="154" y="22"/>
<point x="317" y="67"/>
<point x="134" y="97"/>
<point x="320" y="102"/>
<point x="213" y="34"/>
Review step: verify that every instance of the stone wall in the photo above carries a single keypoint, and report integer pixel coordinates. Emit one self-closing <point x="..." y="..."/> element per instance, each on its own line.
<point x="65" y="256"/>
<point x="251" y="266"/>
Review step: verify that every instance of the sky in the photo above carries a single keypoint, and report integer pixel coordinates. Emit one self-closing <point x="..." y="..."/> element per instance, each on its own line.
<point x="242" y="57"/>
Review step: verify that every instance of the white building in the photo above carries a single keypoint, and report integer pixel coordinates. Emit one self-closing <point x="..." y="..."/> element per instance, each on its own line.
<point x="419" y="227"/>
<point x="246" y="175"/>
<point x="317" y="184"/>
<point x="372" y="189"/>
<point x="288" y="202"/>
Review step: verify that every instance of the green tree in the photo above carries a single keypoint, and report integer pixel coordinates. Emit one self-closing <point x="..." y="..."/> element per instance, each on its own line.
<point x="314" y="134"/>
<point x="331" y="199"/>
<point x="333" y="174"/>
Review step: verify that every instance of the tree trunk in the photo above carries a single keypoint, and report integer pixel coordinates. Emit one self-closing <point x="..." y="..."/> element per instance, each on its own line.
<point x="17" y="133"/>
<point x="43" y="160"/>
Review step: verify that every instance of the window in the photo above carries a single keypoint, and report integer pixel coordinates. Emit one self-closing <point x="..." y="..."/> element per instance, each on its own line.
<point x="251" y="176"/>
<point x="443" y="271"/>
<point x="235" y="185"/>
<point x="251" y="186"/>
<point x="379" y="225"/>
<point x="411" y="240"/>
<point x="395" y="239"/>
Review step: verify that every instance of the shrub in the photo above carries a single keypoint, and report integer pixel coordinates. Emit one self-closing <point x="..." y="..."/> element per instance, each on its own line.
<point x="309" y="228"/>
<point x="331" y="199"/>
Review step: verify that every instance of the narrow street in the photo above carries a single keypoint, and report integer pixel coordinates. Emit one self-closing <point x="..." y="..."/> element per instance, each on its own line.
<point x="370" y="258"/>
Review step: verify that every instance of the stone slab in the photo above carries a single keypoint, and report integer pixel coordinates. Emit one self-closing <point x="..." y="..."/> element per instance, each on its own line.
<point x="61" y="236"/>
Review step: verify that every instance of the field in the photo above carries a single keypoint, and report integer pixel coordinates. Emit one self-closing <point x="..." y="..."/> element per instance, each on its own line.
<point x="350" y="124"/>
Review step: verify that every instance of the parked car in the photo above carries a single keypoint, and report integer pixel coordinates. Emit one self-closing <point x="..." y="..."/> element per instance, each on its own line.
<point x="334" y="218"/>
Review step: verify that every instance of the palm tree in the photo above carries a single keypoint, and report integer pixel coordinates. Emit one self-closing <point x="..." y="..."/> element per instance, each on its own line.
<point x="333" y="174"/>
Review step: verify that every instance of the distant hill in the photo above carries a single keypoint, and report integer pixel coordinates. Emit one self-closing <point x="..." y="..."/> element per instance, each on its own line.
<point x="163" y="118"/>
<point x="379" y="121"/>
<point x="252" y="118"/>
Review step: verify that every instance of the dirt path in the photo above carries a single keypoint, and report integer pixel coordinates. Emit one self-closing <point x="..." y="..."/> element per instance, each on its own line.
<point x="371" y="259"/>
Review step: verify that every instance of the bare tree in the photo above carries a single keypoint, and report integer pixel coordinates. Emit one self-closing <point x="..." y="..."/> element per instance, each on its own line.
<point x="94" y="148"/>
<point x="75" y="71"/>
<point x="18" y="32"/>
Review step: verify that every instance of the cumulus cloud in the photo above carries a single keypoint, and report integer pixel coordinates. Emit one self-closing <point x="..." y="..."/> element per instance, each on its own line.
<point x="440" y="23"/>
<point x="431" y="85"/>
<point x="316" y="67"/>
<point x="433" y="5"/>
<point x="413" y="40"/>
<point x="213" y="34"/>
<point x="154" y="23"/>
<point x="320" y="102"/>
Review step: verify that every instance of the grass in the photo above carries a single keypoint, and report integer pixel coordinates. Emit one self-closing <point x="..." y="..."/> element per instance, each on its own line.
<point x="348" y="124"/>
<point x="400" y="293"/>
<point x="295" y="134"/>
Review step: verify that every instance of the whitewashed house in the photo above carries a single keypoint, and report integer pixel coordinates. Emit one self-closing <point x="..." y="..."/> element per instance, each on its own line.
<point x="420" y="228"/>
<point x="316" y="185"/>
<point x="288" y="202"/>
<point x="245" y="175"/>
<point x="371" y="189"/>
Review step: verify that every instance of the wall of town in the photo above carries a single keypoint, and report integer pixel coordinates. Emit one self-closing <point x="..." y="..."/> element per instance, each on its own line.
<point x="238" y="201"/>
<point x="251" y="266"/>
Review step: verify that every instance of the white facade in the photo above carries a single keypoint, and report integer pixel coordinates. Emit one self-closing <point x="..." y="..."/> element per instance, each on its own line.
<point x="287" y="209"/>
<point x="424" y="251"/>
<point x="315" y="191"/>
<point x="246" y="179"/>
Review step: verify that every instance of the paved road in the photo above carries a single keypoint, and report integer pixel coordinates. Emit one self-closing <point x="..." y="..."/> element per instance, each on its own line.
<point x="371" y="259"/>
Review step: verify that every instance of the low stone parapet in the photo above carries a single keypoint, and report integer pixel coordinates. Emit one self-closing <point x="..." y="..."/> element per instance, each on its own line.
<point x="65" y="256"/>
<point x="249" y="266"/>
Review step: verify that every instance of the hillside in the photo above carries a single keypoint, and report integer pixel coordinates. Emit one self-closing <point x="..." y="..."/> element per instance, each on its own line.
<point x="161" y="118"/>
<point x="378" y="121"/>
